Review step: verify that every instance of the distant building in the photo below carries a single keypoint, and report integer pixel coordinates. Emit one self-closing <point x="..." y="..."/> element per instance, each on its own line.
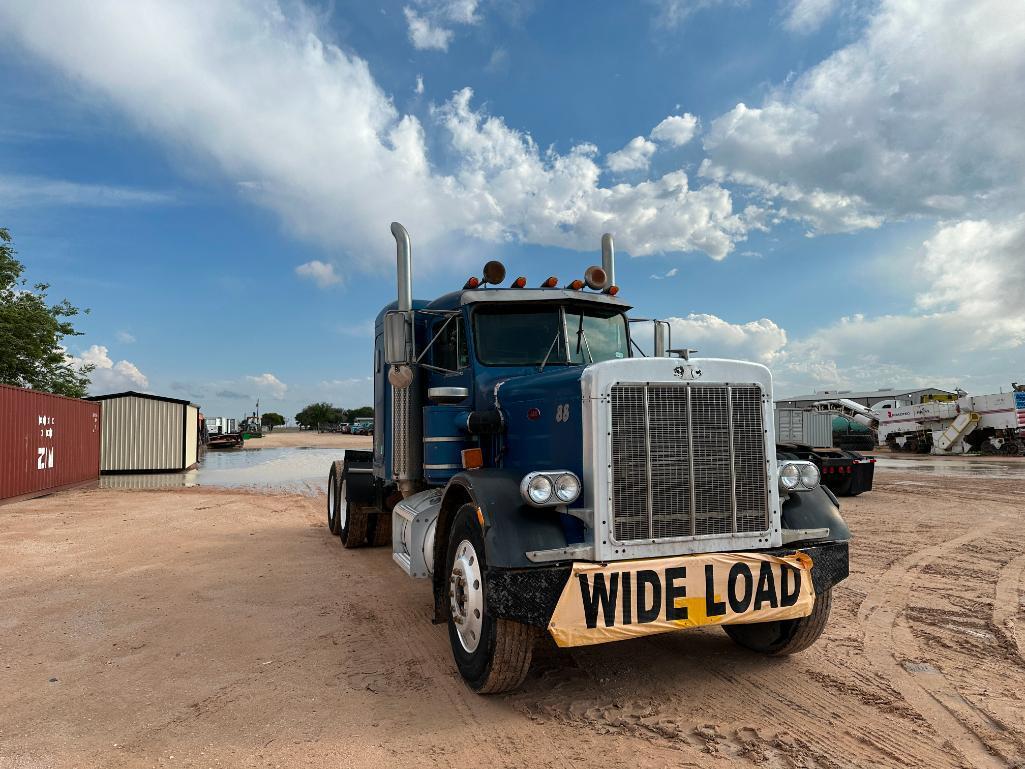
<point x="864" y="397"/>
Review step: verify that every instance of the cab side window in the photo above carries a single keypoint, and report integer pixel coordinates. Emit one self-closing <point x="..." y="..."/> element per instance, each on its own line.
<point x="450" y="351"/>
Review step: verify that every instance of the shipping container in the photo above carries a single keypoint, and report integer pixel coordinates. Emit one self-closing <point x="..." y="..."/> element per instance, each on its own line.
<point x="809" y="427"/>
<point x="48" y="443"/>
<point x="144" y="433"/>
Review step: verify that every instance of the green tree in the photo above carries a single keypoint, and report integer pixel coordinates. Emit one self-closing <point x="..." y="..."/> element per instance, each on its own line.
<point x="270" y="420"/>
<point x="363" y="412"/>
<point x="31" y="332"/>
<point x="319" y="413"/>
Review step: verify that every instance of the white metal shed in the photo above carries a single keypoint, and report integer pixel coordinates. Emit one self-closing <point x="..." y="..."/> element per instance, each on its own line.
<point x="143" y="433"/>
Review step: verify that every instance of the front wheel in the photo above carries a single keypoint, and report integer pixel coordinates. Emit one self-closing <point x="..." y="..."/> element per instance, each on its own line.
<point x="493" y="654"/>
<point x="786" y="636"/>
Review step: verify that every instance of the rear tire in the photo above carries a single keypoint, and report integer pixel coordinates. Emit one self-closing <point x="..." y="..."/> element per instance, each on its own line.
<point x="353" y="522"/>
<point x="334" y="483"/>
<point x="787" y="636"/>
<point x="493" y="654"/>
<point x="382" y="530"/>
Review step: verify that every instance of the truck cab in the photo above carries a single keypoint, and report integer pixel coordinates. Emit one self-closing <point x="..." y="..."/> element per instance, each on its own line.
<point x="545" y="474"/>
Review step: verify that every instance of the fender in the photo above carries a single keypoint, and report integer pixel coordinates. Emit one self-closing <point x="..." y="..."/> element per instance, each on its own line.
<point x="360" y="484"/>
<point x="511" y="527"/>
<point x="815" y="509"/>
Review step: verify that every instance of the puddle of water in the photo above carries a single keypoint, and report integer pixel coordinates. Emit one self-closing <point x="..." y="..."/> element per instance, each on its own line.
<point x="297" y="470"/>
<point x="954" y="468"/>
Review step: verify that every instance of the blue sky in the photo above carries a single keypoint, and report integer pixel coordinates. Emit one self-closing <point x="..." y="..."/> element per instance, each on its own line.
<point x="834" y="189"/>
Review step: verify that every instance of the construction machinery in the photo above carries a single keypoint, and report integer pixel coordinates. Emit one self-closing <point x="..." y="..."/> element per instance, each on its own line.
<point x="989" y="424"/>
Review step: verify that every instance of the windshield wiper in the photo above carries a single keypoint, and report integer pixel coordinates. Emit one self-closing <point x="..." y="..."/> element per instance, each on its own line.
<point x="549" y="353"/>
<point x="582" y="337"/>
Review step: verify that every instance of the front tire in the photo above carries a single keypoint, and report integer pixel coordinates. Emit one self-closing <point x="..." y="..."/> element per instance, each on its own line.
<point x="787" y="636"/>
<point x="493" y="654"/>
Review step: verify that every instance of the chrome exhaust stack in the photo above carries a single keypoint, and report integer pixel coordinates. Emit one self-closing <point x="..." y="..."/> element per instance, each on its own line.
<point x="608" y="260"/>
<point x="403" y="266"/>
<point x="406" y="429"/>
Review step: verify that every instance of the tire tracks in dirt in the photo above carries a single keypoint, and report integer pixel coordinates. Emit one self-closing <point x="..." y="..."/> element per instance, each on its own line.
<point x="969" y="732"/>
<point x="1007" y="604"/>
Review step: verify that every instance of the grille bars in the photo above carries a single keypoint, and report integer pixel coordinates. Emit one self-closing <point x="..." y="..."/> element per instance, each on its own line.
<point x="660" y="434"/>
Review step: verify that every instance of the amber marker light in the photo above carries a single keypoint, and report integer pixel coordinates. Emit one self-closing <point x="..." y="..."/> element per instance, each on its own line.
<point x="472" y="283"/>
<point x="520" y="282"/>
<point x="576" y="285"/>
<point x="473" y="459"/>
<point x="612" y="290"/>
<point x="552" y="282"/>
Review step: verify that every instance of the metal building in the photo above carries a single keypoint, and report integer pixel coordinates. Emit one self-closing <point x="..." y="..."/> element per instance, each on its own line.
<point x="48" y="443"/>
<point x="812" y="428"/>
<point x="865" y="397"/>
<point x="144" y="433"/>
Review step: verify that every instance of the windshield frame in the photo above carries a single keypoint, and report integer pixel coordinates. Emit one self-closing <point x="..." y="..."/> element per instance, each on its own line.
<point x="564" y="344"/>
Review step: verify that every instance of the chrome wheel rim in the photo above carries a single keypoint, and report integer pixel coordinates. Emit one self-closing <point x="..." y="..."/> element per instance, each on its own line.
<point x="343" y="507"/>
<point x="466" y="596"/>
<point x="331" y="502"/>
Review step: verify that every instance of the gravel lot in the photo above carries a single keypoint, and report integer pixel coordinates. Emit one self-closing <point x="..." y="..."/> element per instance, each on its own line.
<point x="203" y="628"/>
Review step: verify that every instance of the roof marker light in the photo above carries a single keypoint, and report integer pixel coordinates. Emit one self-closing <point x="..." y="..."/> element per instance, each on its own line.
<point x="520" y="282"/>
<point x="576" y="285"/>
<point x="472" y="283"/>
<point x="612" y="290"/>
<point x="551" y="282"/>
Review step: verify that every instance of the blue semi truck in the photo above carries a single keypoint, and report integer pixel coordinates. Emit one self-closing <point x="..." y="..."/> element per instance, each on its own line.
<point x="546" y="475"/>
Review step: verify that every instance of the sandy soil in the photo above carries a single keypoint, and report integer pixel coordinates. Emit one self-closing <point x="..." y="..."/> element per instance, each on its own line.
<point x="310" y="439"/>
<point x="211" y="628"/>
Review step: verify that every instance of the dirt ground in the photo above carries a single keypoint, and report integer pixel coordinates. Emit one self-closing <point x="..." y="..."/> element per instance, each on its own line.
<point x="207" y="628"/>
<point x="309" y="439"/>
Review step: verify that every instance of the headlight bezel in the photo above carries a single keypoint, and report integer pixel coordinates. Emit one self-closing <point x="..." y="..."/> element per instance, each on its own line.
<point x="551" y="477"/>
<point x="805" y="474"/>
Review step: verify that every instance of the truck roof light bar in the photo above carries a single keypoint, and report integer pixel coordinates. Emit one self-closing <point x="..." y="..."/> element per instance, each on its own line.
<point x="551" y="282"/>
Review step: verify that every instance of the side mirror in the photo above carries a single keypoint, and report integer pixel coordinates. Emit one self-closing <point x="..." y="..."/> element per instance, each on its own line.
<point x="398" y="338"/>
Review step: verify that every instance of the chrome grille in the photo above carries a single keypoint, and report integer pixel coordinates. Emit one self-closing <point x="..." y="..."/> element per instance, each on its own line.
<point x="687" y="460"/>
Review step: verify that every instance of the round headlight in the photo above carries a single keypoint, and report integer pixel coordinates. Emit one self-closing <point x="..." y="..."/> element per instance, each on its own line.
<point x="567" y="487"/>
<point x="789" y="477"/>
<point x="810" y="476"/>
<point x="539" y="489"/>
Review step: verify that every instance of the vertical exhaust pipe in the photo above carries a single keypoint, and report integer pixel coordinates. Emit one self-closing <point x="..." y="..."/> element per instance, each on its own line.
<point x="403" y="266"/>
<point x="405" y="413"/>
<point x="608" y="260"/>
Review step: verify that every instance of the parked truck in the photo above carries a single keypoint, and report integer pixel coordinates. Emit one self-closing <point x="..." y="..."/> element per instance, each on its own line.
<point x="543" y="474"/>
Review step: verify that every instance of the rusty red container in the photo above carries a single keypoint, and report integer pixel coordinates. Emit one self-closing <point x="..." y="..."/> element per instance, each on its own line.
<point x="47" y="443"/>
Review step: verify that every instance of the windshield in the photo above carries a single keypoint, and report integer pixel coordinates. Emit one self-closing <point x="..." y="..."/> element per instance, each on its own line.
<point x="528" y="335"/>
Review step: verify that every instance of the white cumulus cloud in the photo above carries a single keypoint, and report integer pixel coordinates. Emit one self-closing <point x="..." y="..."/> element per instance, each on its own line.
<point x="424" y="34"/>
<point x="635" y="156"/>
<point x="108" y="376"/>
<point x="321" y="273"/>
<point x="761" y="340"/>
<point x="268" y="383"/>
<point x="920" y="116"/>
<point x="676" y="130"/>
<point x="302" y="127"/>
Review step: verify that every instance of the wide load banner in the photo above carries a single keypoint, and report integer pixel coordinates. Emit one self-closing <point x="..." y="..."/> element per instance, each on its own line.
<point x="615" y="601"/>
